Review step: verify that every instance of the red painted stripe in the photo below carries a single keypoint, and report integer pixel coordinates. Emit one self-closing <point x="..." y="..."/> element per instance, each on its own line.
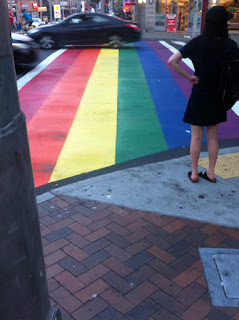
<point x="34" y="93"/>
<point x="49" y="128"/>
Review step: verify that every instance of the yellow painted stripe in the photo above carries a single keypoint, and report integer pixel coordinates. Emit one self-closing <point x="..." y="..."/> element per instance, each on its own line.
<point x="90" y="144"/>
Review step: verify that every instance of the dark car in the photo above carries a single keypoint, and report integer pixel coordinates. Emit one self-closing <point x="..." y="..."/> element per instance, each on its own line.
<point x="86" y="29"/>
<point x="24" y="49"/>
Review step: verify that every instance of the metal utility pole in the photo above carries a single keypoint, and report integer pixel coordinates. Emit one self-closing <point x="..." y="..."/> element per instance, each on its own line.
<point x="195" y="18"/>
<point x="23" y="283"/>
<point x="50" y="8"/>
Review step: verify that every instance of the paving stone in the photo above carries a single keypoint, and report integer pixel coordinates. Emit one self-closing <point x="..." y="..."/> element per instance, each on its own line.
<point x="54" y="246"/>
<point x="187" y="277"/>
<point x="111" y="314"/>
<point x="100" y="214"/>
<point x="138" y="260"/>
<point x="137" y="235"/>
<point x="163" y="268"/>
<point x="53" y="270"/>
<point x="95" y="259"/>
<point x="100" y="233"/>
<point x="118" y="253"/>
<point x="217" y="314"/>
<point x="84" y="221"/>
<point x="117" y="301"/>
<point x="118" y="240"/>
<point x="65" y="299"/>
<point x="83" y="210"/>
<point x="90" y="309"/>
<point x="190" y="294"/>
<point x="137" y="247"/>
<point x="72" y="266"/>
<point x="117" y="282"/>
<point x="60" y="203"/>
<point x="54" y="257"/>
<point x="68" y="281"/>
<point x="161" y="254"/>
<point x="93" y="274"/>
<point x="174" y="226"/>
<point x="77" y="240"/>
<point x="177" y="236"/>
<point x="156" y="240"/>
<point x="75" y="252"/>
<point x="165" y="284"/>
<point x="94" y="289"/>
<point x="52" y="284"/>
<point x="169" y="302"/>
<point x="143" y="311"/>
<point x="197" y="311"/>
<point x="139" y="275"/>
<point x="164" y="314"/>
<point x="58" y="234"/>
<point x="98" y="224"/>
<point x="180" y="248"/>
<point x="96" y="246"/>
<point x="117" y="266"/>
<point x="141" y="292"/>
<point x="118" y="229"/>
<point x="47" y="205"/>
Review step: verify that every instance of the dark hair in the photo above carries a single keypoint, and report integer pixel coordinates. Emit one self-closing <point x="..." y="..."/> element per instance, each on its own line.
<point x="216" y="23"/>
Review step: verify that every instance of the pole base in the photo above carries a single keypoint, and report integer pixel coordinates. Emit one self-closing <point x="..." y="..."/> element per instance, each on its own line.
<point x="55" y="314"/>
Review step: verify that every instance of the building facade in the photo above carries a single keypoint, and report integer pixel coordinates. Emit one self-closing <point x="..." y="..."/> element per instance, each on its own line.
<point x="161" y="15"/>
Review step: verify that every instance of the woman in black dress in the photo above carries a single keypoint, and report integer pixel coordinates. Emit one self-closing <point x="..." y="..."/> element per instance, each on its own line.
<point x="207" y="53"/>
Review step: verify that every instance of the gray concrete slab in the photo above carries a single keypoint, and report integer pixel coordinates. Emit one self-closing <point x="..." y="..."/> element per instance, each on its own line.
<point x="214" y="282"/>
<point x="164" y="187"/>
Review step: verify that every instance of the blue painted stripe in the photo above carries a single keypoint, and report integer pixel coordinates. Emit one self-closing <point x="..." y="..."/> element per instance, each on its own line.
<point x="169" y="101"/>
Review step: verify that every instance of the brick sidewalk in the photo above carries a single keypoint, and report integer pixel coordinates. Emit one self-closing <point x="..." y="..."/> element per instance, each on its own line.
<point x="111" y="263"/>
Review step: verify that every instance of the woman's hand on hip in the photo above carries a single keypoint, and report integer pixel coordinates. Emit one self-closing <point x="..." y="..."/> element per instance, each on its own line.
<point x="193" y="79"/>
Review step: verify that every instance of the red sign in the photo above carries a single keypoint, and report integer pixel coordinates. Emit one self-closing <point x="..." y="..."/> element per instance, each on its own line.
<point x="35" y="5"/>
<point x="171" y="23"/>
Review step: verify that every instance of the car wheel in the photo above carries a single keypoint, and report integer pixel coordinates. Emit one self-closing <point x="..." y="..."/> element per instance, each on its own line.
<point x="47" y="42"/>
<point x="115" y="41"/>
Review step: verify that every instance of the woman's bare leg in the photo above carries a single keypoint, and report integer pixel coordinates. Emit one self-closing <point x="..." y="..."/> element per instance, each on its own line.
<point x="195" y="148"/>
<point x="212" y="142"/>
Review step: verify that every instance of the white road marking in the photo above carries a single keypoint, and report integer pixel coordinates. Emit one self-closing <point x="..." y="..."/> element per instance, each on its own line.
<point x="180" y="43"/>
<point x="235" y="108"/>
<point x="41" y="66"/>
<point x="189" y="63"/>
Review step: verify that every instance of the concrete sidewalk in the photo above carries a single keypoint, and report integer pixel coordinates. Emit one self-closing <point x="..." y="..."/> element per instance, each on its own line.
<point x="122" y="242"/>
<point x="181" y="36"/>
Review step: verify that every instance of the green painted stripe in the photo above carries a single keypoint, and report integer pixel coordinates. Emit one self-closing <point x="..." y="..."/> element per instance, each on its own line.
<point x="138" y="129"/>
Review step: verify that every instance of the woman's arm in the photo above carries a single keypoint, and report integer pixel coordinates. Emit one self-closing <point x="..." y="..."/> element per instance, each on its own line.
<point x="173" y="62"/>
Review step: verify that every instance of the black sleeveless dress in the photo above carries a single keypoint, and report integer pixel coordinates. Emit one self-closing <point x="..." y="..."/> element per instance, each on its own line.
<point x="203" y="107"/>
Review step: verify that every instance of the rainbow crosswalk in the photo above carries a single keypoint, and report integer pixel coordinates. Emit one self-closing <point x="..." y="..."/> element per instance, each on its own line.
<point x="93" y="108"/>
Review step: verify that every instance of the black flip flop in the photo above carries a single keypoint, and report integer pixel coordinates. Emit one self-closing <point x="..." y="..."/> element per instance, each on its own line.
<point x="189" y="175"/>
<point x="205" y="177"/>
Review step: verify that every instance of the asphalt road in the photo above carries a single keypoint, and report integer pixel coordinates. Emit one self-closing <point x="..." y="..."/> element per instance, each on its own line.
<point x="21" y="70"/>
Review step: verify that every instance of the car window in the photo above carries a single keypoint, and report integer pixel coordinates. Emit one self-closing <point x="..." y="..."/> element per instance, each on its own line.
<point x="99" y="19"/>
<point x="74" y="20"/>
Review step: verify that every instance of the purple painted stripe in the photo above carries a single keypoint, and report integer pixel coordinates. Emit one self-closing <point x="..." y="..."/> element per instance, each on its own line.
<point x="227" y="130"/>
<point x="164" y="54"/>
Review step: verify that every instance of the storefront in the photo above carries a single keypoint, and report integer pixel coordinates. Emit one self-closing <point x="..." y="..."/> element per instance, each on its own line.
<point x="179" y="11"/>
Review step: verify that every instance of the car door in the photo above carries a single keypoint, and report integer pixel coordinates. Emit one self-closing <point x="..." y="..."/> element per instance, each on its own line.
<point x="96" y="26"/>
<point x="74" y="30"/>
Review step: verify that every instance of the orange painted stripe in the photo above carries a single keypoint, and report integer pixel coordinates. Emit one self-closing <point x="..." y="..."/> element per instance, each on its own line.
<point x="49" y="128"/>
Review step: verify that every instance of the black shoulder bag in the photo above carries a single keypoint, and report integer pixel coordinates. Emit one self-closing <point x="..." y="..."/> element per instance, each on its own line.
<point x="229" y="84"/>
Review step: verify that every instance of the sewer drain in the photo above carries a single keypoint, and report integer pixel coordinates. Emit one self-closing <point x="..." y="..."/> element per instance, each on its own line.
<point x="221" y="269"/>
